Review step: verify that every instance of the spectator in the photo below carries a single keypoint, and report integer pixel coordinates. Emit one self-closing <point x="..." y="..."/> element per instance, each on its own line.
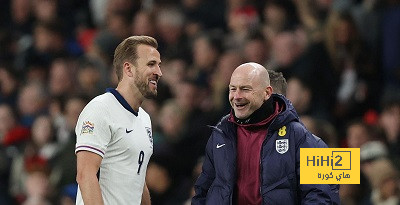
<point x="358" y="133"/>
<point x="384" y="178"/>
<point x="37" y="186"/>
<point x="389" y="122"/>
<point x="278" y="82"/>
<point x="170" y="29"/>
<point x="225" y="66"/>
<point x="278" y="16"/>
<point x="206" y="49"/>
<point x="61" y="77"/>
<point x="64" y="162"/>
<point x="256" y="49"/>
<point x="9" y="83"/>
<point x="92" y="78"/>
<point x="143" y="24"/>
<point x="32" y="101"/>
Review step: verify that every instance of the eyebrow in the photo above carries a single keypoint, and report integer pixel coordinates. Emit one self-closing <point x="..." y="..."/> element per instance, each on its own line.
<point x="241" y="86"/>
<point x="153" y="61"/>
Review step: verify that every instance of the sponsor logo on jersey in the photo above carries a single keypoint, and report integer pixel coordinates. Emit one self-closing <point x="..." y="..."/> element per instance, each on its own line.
<point x="87" y="127"/>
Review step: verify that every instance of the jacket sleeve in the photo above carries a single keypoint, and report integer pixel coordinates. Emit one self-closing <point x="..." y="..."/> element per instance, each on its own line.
<point x="206" y="177"/>
<point x="314" y="193"/>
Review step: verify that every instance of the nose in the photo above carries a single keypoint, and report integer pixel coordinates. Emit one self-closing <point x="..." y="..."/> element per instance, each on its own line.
<point x="158" y="71"/>
<point x="237" y="94"/>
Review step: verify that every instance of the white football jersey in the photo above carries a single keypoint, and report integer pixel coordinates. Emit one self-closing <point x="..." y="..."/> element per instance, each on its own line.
<point x="109" y="127"/>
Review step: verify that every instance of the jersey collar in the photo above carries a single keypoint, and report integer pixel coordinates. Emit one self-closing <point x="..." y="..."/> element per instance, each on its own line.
<point x="121" y="100"/>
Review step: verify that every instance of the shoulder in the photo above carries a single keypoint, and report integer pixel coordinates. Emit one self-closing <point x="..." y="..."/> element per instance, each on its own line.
<point x="105" y="99"/>
<point x="100" y="105"/>
<point x="223" y="124"/>
<point x="223" y="121"/>
<point x="295" y="130"/>
<point x="302" y="135"/>
<point x="293" y="127"/>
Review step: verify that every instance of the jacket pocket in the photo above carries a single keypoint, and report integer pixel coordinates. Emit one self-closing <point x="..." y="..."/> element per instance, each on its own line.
<point x="218" y="195"/>
<point x="281" y="192"/>
<point x="288" y="182"/>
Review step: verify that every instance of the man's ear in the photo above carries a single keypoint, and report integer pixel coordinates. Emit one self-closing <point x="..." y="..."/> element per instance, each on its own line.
<point x="268" y="92"/>
<point x="127" y="69"/>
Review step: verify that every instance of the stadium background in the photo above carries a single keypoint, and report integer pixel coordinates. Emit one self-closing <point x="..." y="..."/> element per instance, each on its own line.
<point x="341" y="59"/>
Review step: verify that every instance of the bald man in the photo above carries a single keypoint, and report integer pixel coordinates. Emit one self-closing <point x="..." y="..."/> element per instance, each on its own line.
<point x="252" y="156"/>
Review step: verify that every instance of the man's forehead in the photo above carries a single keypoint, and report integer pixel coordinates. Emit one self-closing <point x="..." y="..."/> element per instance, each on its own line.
<point x="244" y="73"/>
<point x="241" y="80"/>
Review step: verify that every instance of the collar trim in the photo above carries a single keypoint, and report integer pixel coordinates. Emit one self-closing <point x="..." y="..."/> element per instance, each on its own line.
<point x="122" y="100"/>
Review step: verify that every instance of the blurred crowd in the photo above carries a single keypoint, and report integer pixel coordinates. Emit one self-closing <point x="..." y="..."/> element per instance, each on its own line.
<point x="341" y="60"/>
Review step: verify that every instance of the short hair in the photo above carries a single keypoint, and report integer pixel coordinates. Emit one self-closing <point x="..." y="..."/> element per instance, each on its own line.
<point x="277" y="82"/>
<point x="127" y="51"/>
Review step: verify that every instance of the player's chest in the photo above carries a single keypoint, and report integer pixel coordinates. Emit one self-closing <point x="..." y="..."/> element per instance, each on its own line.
<point x="132" y="134"/>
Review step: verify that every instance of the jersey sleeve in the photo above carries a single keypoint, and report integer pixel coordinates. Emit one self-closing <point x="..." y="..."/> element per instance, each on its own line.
<point x="93" y="132"/>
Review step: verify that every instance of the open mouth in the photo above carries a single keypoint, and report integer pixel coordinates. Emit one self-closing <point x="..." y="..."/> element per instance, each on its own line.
<point x="240" y="105"/>
<point x="153" y="82"/>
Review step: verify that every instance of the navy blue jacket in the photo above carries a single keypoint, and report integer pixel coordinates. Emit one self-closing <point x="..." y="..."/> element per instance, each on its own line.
<point x="280" y="171"/>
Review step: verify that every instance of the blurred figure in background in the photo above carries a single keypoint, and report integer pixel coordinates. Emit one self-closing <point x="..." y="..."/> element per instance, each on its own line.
<point x="384" y="179"/>
<point x="358" y="133"/>
<point x="228" y="61"/>
<point x="353" y="69"/>
<point x="279" y="15"/>
<point x="206" y="50"/>
<point x="64" y="162"/>
<point x="92" y="78"/>
<point x="32" y="101"/>
<point x="242" y="21"/>
<point x="143" y="23"/>
<point x="37" y="185"/>
<point x="173" y="41"/>
<point x="11" y="132"/>
<point x="9" y="83"/>
<point x="257" y="49"/>
<point x="278" y="82"/>
<point x="61" y="82"/>
<point x="389" y="122"/>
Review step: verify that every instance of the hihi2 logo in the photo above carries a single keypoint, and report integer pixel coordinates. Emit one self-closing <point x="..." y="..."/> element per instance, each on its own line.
<point x="329" y="165"/>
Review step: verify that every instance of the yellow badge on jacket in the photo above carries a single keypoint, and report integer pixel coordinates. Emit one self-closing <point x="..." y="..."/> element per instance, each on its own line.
<point x="282" y="131"/>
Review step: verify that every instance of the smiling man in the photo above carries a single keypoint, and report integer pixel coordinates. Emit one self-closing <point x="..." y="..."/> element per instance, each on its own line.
<point x="114" y="135"/>
<point x="252" y="156"/>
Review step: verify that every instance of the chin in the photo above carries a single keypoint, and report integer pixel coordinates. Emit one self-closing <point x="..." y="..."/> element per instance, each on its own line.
<point x="151" y="95"/>
<point x="240" y="116"/>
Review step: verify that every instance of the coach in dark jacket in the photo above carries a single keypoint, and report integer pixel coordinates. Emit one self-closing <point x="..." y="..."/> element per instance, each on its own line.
<point x="252" y="156"/>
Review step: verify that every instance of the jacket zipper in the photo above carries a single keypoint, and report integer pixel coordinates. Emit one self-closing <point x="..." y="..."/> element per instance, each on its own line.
<point x="261" y="169"/>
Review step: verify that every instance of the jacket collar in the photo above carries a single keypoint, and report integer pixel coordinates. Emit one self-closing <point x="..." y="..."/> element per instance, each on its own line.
<point x="259" y="115"/>
<point x="287" y="114"/>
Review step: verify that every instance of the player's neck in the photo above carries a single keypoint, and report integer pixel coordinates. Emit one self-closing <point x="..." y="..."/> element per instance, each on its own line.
<point x="131" y="95"/>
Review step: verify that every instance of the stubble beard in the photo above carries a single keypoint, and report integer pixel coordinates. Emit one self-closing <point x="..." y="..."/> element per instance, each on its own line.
<point x="144" y="88"/>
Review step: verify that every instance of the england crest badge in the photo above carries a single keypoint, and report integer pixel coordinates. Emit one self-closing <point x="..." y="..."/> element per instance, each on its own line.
<point x="282" y="146"/>
<point x="148" y="130"/>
